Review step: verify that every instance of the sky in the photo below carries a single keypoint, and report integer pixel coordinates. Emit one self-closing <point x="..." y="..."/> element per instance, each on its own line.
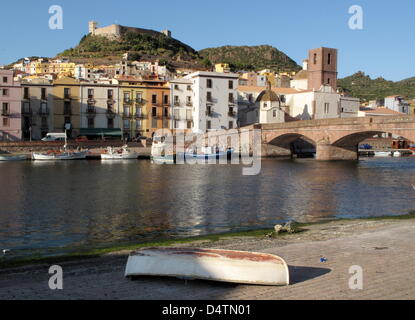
<point x="384" y="47"/>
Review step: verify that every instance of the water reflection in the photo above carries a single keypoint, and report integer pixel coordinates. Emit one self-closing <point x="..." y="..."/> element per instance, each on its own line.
<point x="92" y="203"/>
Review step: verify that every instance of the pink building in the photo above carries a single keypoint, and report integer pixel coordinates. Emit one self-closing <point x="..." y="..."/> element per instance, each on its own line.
<point x="10" y="107"/>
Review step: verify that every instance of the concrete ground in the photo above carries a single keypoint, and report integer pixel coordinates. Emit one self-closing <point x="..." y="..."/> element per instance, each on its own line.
<point x="384" y="249"/>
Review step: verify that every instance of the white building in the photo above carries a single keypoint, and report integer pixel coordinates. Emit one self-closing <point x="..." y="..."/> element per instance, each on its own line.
<point x="324" y="103"/>
<point x="397" y="103"/>
<point x="211" y="96"/>
<point x="99" y="107"/>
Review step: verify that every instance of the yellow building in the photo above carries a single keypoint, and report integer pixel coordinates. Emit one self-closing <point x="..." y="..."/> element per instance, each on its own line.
<point x="270" y="77"/>
<point x="145" y="106"/>
<point x="222" y="68"/>
<point x="66" y="105"/>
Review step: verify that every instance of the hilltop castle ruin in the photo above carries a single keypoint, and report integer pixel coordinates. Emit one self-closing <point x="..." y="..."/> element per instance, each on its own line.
<point x="115" y="31"/>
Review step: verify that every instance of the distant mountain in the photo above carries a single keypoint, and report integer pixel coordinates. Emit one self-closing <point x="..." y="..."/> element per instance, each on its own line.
<point x="250" y="58"/>
<point x="364" y="87"/>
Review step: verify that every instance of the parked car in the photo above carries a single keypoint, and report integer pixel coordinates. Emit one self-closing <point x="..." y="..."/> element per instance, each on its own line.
<point x="60" y="136"/>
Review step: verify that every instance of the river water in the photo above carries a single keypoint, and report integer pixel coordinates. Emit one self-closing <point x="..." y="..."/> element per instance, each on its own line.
<point x="54" y="207"/>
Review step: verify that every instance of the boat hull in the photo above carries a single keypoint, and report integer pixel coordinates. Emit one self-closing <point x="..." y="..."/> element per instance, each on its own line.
<point x="382" y="154"/>
<point x="209" y="264"/>
<point x="131" y="156"/>
<point x="62" y="156"/>
<point x="13" y="157"/>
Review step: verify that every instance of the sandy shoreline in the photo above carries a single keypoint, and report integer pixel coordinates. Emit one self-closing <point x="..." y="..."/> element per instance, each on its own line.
<point x="383" y="248"/>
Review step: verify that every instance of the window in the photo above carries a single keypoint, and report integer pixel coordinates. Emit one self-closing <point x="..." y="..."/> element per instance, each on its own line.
<point x="166" y="112"/>
<point x="43" y="108"/>
<point x="90" y="123"/>
<point x="176" y="100"/>
<point x="110" y="123"/>
<point x="26" y="107"/>
<point x="209" y="83"/>
<point x="274" y="113"/>
<point x="26" y="93"/>
<point x="315" y="58"/>
<point x="126" y="124"/>
<point x="5" y="79"/>
<point x="188" y="101"/>
<point x="230" y="124"/>
<point x="209" y="96"/>
<point x="43" y="93"/>
<point x="5" y="108"/>
<point x="189" y="88"/>
<point x="154" y="99"/>
<point x="67" y="108"/>
<point x="176" y="87"/>
<point x="230" y="84"/>
<point x="250" y="97"/>
<point x="5" y="92"/>
<point x="154" y="111"/>
<point x="110" y="94"/>
<point x="231" y="100"/>
<point x="90" y="93"/>
<point x="67" y="93"/>
<point x="326" y="107"/>
<point x="329" y="58"/>
<point x="126" y="111"/>
<point x="6" y="122"/>
<point x="138" y="124"/>
<point x="154" y="123"/>
<point x="208" y="124"/>
<point x="282" y="98"/>
<point x="126" y="96"/>
<point x="139" y="96"/>
<point x="166" y="99"/>
<point x="189" y="124"/>
<point x="328" y="81"/>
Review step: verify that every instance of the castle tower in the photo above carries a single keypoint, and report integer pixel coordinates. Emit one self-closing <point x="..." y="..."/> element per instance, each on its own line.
<point x="322" y="68"/>
<point x="92" y="27"/>
<point x="166" y="33"/>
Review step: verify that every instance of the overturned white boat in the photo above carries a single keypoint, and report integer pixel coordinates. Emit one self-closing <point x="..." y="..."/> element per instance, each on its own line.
<point x="209" y="264"/>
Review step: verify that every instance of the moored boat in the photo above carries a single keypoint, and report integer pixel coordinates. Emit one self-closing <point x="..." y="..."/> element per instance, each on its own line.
<point x="119" y="154"/>
<point x="382" y="154"/>
<point x="11" y="157"/>
<point x="60" y="155"/>
<point x="209" y="264"/>
<point x="208" y="153"/>
<point x="161" y="151"/>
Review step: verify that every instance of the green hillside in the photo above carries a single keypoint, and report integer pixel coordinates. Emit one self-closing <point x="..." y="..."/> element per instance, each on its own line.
<point x="251" y="58"/>
<point x="364" y="87"/>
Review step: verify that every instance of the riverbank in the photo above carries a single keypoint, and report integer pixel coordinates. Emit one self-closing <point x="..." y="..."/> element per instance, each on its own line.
<point x="383" y="247"/>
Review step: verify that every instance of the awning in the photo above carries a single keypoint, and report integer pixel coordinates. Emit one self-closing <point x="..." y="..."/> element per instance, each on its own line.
<point x="96" y="132"/>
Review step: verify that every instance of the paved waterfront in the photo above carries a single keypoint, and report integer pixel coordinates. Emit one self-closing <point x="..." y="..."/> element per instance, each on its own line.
<point x="384" y="249"/>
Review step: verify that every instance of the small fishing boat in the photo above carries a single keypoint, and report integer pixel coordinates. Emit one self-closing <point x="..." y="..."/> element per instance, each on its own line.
<point x="383" y="153"/>
<point x="161" y="152"/>
<point x="209" y="264"/>
<point x="208" y="153"/>
<point x="11" y="157"/>
<point x="119" y="154"/>
<point x="60" y="155"/>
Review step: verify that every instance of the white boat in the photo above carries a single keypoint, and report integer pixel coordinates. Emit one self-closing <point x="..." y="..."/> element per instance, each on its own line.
<point x="383" y="153"/>
<point x="396" y="154"/>
<point x="11" y="157"/>
<point x="209" y="264"/>
<point x="119" y="154"/>
<point x="161" y="152"/>
<point x="60" y="155"/>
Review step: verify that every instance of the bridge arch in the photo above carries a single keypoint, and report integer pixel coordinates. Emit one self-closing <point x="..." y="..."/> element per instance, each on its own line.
<point x="290" y="144"/>
<point x="353" y="139"/>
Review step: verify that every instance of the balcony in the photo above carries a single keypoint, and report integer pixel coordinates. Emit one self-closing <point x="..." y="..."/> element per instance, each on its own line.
<point x="43" y="111"/>
<point x="140" y="101"/>
<point x="27" y="111"/>
<point x="183" y="118"/>
<point x="177" y="103"/>
<point x="91" y="111"/>
<point x="189" y="104"/>
<point x="127" y="115"/>
<point x="5" y="113"/>
<point x="110" y="114"/>
<point x="127" y="100"/>
<point x="209" y="100"/>
<point x="140" y="115"/>
<point x="91" y="101"/>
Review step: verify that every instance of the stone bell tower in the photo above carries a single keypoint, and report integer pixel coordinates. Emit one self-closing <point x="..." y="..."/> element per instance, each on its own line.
<point x="322" y="68"/>
<point x="92" y="27"/>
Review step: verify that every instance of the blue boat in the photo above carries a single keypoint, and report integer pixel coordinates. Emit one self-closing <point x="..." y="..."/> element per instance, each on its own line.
<point x="208" y="153"/>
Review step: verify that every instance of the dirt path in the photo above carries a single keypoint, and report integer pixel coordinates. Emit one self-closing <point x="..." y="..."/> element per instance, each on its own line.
<point x="384" y="249"/>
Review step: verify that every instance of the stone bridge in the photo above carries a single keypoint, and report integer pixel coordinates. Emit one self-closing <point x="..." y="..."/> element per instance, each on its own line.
<point x="334" y="139"/>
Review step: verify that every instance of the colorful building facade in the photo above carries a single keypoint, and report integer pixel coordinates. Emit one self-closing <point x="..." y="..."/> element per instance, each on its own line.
<point x="10" y="104"/>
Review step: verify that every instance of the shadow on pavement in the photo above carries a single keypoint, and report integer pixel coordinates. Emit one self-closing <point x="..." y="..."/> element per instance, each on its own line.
<point x="302" y="274"/>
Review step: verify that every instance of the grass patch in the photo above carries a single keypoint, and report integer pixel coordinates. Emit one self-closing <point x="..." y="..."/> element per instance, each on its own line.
<point x="84" y="254"/>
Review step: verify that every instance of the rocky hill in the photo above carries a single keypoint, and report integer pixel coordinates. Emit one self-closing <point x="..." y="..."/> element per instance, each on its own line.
<point x="364" y="87"/>
<point x="251" y="58"/>
<point x="140" y="46"/>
